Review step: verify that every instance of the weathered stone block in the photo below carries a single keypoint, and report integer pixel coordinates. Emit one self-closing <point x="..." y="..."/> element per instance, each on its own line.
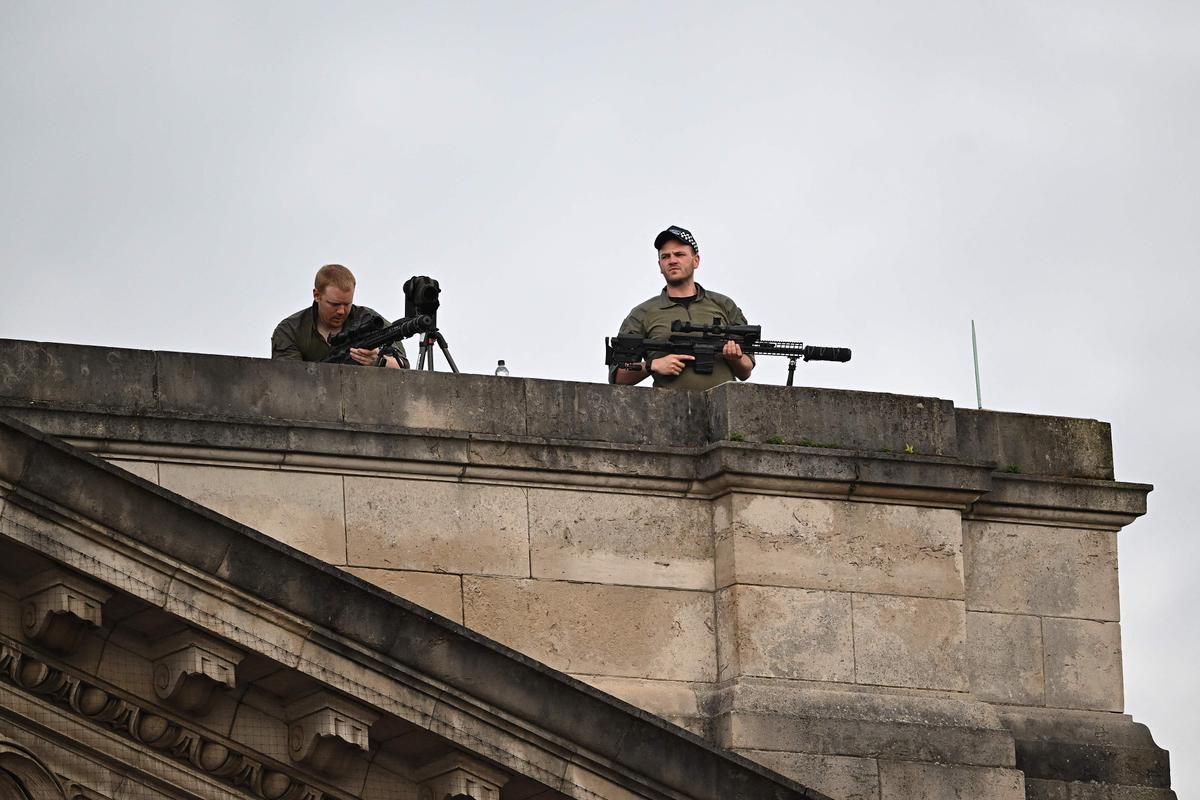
<point x="620" y="539"/>
<point x="1083" y="664"/>
<point x="248" y="388"/>
<point x="1038" y="789"/>
<point x="847" y="420"/>
<point x="303" y="509"/>
<point x="590" y="465"/>
<point x="784" y="633"/>
<point x="910" y="641"/>
<point x="434" y="400"/>
<point x="436" y="526"/>
<point x="840" y="545"/>
<point x="1087" y="748"/>
<point x="1026" y="569"/>
<point x="440" y="593"/>
<point x="591" y="629"/>
<point x="598" y="412"/>
<point x="1038" y="445"/>
<point x="1005" y="656"/>
<point x="842" y="777"/>
<point x="768" y="714"/>
<point x="906" y="780"/>
<point x="65" y="375"/>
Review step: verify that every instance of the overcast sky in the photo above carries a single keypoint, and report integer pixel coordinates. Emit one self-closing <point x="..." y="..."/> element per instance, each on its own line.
<point x="871" y="175"/>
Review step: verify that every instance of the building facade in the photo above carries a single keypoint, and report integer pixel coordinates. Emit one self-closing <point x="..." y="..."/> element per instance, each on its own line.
<point x="753" y="591"/>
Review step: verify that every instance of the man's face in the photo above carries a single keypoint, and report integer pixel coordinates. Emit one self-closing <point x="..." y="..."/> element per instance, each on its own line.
<point x="333" y="306"/>
<point x="677" y="261"/>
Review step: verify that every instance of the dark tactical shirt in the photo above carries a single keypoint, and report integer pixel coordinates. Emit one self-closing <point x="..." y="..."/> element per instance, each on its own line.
<point x="297" y="338"/>
<point x="652" y="320"/>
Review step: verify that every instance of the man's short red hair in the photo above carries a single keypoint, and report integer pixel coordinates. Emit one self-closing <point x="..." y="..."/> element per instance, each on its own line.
<point x="336" y="274"/>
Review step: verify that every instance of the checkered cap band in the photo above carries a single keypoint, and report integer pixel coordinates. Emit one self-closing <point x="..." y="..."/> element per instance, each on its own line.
<point x="675" y="232"/>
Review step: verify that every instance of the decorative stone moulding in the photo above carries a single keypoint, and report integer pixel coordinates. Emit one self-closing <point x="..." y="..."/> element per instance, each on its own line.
<point x="186" y="745"/>
<point x="326" y="732"/>
<point x="23" y="773"/>
<point x="189" y="668"/>
<point x="58" y="606"/>
<point x="458" y="775"/>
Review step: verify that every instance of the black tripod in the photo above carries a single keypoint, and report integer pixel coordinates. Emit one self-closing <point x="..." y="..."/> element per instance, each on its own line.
<point x="426" y="350"/>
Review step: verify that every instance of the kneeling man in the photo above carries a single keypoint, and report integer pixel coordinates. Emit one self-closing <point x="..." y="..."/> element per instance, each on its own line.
<point x="304" y="336"/>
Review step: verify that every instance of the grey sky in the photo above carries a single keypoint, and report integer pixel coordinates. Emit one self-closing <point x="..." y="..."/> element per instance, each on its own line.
<point x="873" y="175"/>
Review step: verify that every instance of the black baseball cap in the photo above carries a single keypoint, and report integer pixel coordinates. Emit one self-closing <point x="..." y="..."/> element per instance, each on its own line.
<point x="678" y="234"/>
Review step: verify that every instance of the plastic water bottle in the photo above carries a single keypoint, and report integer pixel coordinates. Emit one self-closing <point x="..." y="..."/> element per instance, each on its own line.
<point x="501" y="370"/>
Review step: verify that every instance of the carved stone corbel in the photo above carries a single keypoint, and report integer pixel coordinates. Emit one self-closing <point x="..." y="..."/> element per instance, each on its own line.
<point x="189" y="667"/>
<point x="458" y="775"/>
<point x="58" y="606"/>
<point x="327" y="731"/>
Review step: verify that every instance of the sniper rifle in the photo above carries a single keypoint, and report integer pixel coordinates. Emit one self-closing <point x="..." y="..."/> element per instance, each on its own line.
<point x="630" y="351"/>
<point x="375" y="334"/>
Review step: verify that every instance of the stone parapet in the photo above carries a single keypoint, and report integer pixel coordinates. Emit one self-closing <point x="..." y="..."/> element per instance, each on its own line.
<point x="845" y="586"/>
<point x="147" y="385"/>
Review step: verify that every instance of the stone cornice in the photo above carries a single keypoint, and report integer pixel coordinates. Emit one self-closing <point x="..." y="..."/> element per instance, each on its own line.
<point x="840" y="474"/>
<point x="975" y="488"/>
<point x="701" y="472"/>
<point x="1061" y="502"/>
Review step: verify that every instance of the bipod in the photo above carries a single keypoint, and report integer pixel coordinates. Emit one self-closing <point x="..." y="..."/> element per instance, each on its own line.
<point x="426" y="351"/>
<point x="791" y="368"/>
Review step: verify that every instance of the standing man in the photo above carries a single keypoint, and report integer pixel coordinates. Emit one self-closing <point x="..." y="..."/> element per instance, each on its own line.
<point x="682" y="299"/>
<point x="304" y="336"/>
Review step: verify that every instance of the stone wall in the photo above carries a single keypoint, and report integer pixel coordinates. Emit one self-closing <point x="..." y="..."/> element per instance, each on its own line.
<point x="866" y="592"/>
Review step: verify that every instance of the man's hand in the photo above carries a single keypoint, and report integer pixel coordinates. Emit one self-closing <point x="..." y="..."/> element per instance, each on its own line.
<point x="361" y="355"/>
<point x="674" y="363"/>
<point x="739" y="363"/>
<point x="370" y="358"/>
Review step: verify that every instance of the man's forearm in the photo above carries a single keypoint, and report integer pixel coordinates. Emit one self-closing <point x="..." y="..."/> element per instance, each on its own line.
<point x="628" y="377"/>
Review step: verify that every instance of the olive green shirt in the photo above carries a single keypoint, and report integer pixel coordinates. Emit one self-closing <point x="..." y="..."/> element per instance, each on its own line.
<point x="652" y="320"/>
<point x="297" y="337"/>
